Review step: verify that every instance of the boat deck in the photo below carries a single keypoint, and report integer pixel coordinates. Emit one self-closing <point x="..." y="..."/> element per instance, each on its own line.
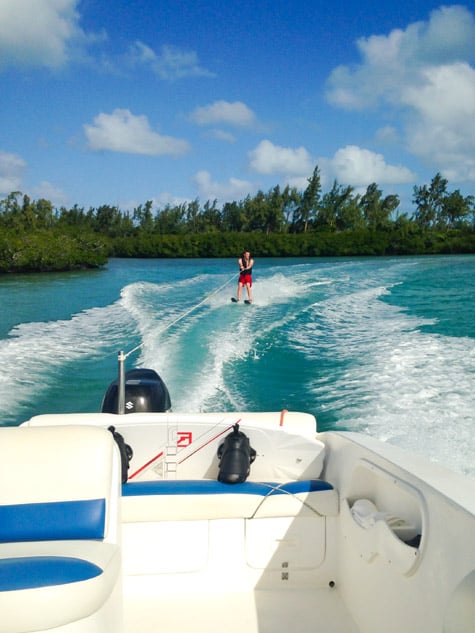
<point x="262" y="611"/>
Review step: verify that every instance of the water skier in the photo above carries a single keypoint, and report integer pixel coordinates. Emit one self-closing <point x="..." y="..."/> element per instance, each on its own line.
<point x="245" y="263"/>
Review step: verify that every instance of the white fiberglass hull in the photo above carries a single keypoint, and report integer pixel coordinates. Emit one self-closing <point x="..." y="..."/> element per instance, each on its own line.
<point x="382" y="542"/>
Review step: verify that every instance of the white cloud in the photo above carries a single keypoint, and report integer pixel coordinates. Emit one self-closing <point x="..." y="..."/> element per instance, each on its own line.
<point x="423" y="73"/>
<point x="223" y="112"/>
<point x="222" y="135"/>
<point x="301" y="182"/>
<point x="171" y="63"/>
<point x="387" y="134"/>
<point x="360" y="167"/>
<point x="125" y="132"/>
<point x="268" y="158"/>
<point x="166" y="198"/>
<point x="447" y="37"/>
<point x="393" y="62"/>
<point x="38" y="32"/>
<point x="234" y="189"/>
<point x="48" y="191"/>
<point x="11" y="172"/>
<point x="443" y="127"/>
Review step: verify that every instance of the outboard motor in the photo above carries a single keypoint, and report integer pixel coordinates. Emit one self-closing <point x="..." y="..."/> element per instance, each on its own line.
<point x="235" y="457"/>
<point x="145" y="392"/>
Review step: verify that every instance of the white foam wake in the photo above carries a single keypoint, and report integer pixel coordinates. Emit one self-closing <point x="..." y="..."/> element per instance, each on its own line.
<point x="34" y="353"/>
<point x="393" y="380"/>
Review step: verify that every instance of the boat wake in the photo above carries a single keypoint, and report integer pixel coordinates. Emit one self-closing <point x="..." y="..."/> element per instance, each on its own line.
<point x="325" y="338"/>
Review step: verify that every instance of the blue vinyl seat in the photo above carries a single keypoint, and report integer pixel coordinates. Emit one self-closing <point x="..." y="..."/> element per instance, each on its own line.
<point x="59" y="527"/>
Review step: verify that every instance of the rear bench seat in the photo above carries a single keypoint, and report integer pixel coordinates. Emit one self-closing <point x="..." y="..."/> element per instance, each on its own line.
<point x="180" y="500"/>
<point x="59" y="525"/>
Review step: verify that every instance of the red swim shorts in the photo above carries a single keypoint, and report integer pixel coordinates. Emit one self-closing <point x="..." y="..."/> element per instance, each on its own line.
<point x="245" y="278"/>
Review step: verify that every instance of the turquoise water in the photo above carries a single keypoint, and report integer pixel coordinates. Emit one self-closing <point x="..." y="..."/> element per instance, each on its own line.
<point x="385" y="346"/>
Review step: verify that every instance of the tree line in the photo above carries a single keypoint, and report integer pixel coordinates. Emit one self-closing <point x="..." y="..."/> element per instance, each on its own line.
<point x="34" y="235"/>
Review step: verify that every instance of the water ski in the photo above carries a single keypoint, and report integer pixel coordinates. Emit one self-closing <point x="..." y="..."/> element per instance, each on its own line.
<point x="234" y="300"/>
<point x="248" y="301"/>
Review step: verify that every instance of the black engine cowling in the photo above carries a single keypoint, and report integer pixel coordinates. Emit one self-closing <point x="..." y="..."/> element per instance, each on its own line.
<point x="235" y="457"/>
<point x="145" y="392"/>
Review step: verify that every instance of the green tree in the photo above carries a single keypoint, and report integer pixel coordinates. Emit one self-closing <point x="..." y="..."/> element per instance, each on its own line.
<point x="73" y="217"/>
<point x="192" y="217"/>
<point x="310" y="201"/>
<point x="348" y="216"/>
<point x="170" y="220"/>
<point x="233" y="217"/>
<point x="107" y="220"/>
<point x="339" y="210"/>
<point x="263" y="212"/>
<point x="429" y="201"/>
<point x="291" y="199"/>
<point x="142" y="217"/>
<point x="211" y="217"/>
<point x="275" y="219"/>
<point x="455" y="209"/>
<point x="11" y="211"/>
<point x="44" y="213"/>
<point x="376" y="209"/>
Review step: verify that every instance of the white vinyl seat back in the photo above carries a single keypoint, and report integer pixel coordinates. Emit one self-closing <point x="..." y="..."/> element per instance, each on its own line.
<point x="59" y="529"/>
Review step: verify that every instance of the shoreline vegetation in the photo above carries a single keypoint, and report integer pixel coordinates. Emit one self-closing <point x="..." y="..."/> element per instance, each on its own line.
<point x="36" y="237"/>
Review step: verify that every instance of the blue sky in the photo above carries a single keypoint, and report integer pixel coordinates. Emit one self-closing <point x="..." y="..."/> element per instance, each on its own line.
<point x="120" y="102"/>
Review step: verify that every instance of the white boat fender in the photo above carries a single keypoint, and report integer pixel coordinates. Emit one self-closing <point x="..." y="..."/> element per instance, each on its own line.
<point x="366" y="514"/>
<point x="126" y="452"/>
<point x="235" y="456"/>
